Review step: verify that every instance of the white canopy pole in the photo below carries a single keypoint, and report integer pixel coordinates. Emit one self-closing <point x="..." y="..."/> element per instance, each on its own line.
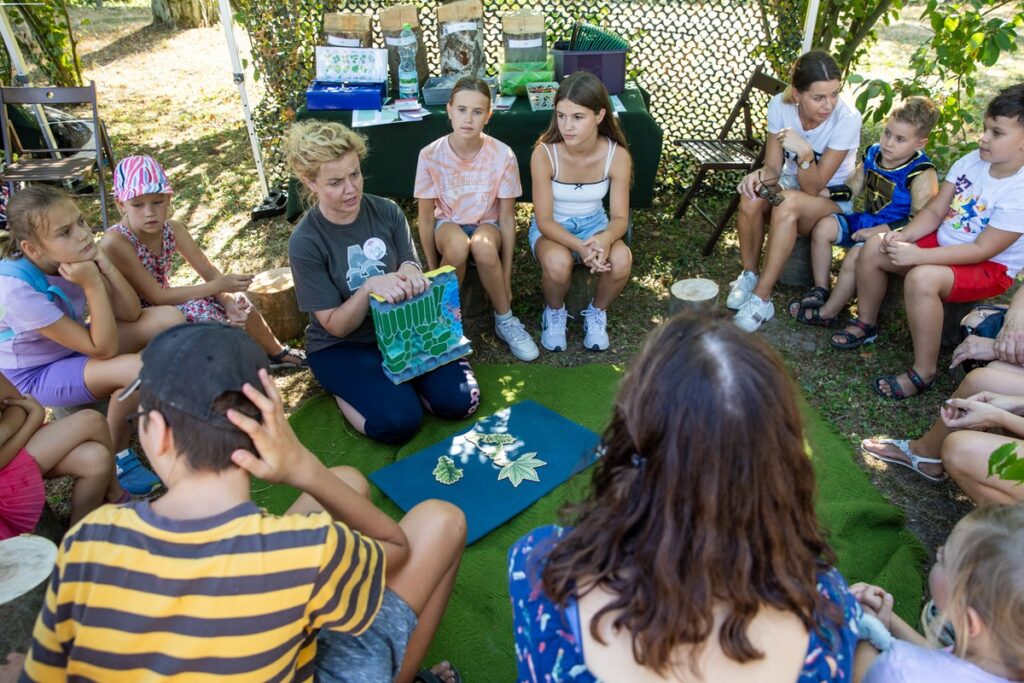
<point x="239" y="77"/>
<point x="809" y="22"/>
<point x="20" y="77"/>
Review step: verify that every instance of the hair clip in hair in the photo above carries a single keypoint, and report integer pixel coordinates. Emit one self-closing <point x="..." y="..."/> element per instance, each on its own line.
<point x="638" y="460"/>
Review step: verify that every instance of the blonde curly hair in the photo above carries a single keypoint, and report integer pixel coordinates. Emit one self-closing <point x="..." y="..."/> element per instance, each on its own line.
<point x="311" y="144"/>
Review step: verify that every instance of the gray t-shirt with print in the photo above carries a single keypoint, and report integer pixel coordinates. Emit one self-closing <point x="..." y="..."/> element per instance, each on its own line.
<point x="331" y="261"/>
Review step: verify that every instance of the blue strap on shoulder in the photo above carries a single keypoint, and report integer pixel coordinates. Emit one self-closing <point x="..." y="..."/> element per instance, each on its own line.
<point x="26" y="271"/>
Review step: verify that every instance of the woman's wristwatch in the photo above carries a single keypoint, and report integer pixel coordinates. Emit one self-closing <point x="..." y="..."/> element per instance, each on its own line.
<point x="806" y="164"/>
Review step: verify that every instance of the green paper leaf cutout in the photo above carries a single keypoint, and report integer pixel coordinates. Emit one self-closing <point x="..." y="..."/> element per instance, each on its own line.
<point x="523" y="469"/>
<point x="446" y="472"/>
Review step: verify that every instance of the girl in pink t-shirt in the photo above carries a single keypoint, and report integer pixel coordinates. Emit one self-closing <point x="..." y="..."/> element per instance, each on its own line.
<point x="79" y="446"/>
<point x="467" y="183"/>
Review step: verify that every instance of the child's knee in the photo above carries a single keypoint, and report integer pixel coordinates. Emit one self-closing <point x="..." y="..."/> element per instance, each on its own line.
<point x="557" y="265"/>
<point x="485" y="253"/>
<point x="923" y="280"/>
<point x="957" y="452"/>
<point x="825" y="231"/>
<point x="621" y="260"/>
<point x="446" y="518"/>
<point x="91" y="459"/>
<point x="354" y="478"/>
<point x="162" y="318"/>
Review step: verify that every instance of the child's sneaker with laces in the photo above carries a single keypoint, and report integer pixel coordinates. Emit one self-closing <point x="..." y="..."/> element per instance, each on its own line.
<point x="133" y="475"/>
<point x="511" y="331"/>
<point x="741" y="289"/>
<point x="552" y="336"/>
<point x="595" y="328"/>
<point x="754" y="313"/>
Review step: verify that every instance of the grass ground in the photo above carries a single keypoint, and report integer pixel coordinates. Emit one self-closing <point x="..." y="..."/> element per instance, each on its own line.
<point x="169" y="93"/>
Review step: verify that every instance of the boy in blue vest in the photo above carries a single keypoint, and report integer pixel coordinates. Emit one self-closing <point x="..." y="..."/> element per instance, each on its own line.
<point x="897" y="179"/>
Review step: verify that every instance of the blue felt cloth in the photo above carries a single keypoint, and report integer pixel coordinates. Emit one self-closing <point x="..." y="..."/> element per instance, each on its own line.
<point x="565" y="447"/>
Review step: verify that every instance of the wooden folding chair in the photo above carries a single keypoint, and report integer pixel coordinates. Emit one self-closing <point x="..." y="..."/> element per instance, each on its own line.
<point x="727" y="153"/>
<point x="64" y="163"/>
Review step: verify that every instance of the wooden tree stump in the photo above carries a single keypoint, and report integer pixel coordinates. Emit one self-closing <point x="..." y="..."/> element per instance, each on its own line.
<point x="273" y="294"/>
<point x="472" y="298"/>
<point x="582" y="290"/>
<point x="692" y="295"/>
<point x="797" y="271"/>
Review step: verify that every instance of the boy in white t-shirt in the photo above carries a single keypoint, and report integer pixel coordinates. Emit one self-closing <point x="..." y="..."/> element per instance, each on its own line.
<point x="963" y="246"/>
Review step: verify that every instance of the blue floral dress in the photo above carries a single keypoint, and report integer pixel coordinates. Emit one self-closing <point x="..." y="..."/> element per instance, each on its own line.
<point x="547" y="640"/>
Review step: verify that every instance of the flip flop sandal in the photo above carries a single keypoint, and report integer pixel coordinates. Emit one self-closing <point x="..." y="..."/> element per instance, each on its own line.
<point x="851" y="340"/>
<point x="915" y="460"/>
<point x="427" y="676"/>
<point x="278" y="362"/>
<point x="896" y="389"/>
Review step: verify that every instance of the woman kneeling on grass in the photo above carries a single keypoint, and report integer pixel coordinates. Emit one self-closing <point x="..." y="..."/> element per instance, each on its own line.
<point x="347" y="245"/>
<point x="668" y="573"/>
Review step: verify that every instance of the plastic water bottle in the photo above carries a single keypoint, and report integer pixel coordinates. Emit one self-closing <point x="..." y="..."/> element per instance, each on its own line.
<point x="408" y="77"/>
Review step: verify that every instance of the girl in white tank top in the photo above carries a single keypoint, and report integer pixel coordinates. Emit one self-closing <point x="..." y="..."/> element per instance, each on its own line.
<point x="570" y="225"/>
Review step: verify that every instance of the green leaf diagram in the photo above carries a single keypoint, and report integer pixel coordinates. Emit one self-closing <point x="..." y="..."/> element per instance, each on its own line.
<point x="446" y="472"/>
<point x="523" y="469"/>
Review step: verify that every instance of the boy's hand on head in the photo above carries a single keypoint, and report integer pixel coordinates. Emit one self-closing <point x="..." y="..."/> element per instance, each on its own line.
<point x="82" y="273"/>
<point x="281" y="454"/>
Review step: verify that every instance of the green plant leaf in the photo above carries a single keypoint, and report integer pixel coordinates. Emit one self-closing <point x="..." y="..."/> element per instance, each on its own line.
<point x="446" y="472"/>
<point x="1005" y="464"/>
<point x="523" y="469"/>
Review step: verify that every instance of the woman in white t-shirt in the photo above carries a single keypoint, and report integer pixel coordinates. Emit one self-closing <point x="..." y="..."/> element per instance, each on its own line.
<point x="810" y="151"/>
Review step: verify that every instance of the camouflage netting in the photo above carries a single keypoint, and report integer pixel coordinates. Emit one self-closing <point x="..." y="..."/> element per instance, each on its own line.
<point x="693" y="57"/>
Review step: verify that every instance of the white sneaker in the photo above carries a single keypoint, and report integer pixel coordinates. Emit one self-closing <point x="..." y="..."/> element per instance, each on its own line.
<point x="741" y="289"/>
<point x="520" y="343"/>
<point x="754" y="313"/>
<point x="595" y="328"/>
<point x="552" y="336"/>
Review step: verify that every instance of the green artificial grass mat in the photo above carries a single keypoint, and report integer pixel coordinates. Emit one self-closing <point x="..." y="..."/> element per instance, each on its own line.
<point x="476" y="633"/>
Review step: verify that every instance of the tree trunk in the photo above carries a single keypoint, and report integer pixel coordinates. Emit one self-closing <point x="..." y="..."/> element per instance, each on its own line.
<point x="186" y="13"/>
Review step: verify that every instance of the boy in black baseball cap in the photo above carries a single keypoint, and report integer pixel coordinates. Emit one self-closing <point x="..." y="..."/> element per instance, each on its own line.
<point x="202" y="582"/>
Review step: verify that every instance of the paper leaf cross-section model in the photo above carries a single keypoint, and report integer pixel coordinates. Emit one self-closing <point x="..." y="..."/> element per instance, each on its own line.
<point x="446" y="472"/>
<point x="524" y="468"/>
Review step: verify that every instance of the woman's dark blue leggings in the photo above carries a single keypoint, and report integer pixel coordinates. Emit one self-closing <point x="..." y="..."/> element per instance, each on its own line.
<point x="352" y="372"/>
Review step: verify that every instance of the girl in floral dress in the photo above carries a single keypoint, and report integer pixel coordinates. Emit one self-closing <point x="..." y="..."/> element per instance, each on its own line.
<point x="143" y="244"/>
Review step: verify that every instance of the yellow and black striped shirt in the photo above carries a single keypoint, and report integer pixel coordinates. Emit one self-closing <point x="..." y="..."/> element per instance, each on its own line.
<point x="136" y="596"/>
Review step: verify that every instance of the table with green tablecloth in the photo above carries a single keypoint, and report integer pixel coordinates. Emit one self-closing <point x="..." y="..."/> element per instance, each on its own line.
<point x="390" y="167"/>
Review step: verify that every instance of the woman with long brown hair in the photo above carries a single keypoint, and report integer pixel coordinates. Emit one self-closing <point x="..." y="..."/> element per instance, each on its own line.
<point x="697" y="555"/>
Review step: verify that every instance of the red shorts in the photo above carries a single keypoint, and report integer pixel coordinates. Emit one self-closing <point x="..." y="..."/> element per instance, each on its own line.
<point x="22" y="495"/>
<point x="972" y="282"/>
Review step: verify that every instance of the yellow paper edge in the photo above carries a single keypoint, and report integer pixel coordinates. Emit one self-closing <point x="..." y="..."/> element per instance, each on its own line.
<point x="429" y="275"/>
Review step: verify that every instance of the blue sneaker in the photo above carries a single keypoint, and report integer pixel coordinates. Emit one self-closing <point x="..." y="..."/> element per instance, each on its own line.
<point x="133" y="475"/>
